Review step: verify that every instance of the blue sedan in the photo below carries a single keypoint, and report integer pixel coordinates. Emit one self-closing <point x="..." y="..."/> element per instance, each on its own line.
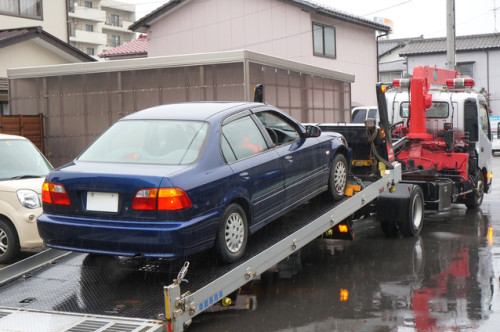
<point x="173" y="180"/>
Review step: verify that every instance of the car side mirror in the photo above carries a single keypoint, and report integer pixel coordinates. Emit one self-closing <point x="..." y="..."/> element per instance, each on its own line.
<point x="313" y="131"/>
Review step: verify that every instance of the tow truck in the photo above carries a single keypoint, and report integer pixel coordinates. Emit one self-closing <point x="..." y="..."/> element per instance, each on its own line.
<point x="67" y="291"/>
<point x="441" y="135"/>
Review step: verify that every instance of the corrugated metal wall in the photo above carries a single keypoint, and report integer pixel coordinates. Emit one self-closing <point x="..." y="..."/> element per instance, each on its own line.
<point x="78" y="108"/>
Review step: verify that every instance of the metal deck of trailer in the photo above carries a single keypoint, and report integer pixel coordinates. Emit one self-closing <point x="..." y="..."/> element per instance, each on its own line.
<point x="81" y="292"/>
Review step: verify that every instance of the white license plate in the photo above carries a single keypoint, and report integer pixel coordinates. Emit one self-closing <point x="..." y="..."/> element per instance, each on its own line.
<point x="103" y="202"/>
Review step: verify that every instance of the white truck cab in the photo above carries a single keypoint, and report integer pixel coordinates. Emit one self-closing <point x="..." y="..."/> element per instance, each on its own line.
<point x="465" y="111"/>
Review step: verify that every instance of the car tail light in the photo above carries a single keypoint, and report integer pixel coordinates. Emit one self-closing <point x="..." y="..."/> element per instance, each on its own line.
<point x="163" y="199"/>
<point x="53" y="193"/>
<point x="145" y="199"/>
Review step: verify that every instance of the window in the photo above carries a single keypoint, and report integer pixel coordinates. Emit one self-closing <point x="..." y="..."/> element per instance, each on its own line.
<point x="115" y="41"/>
<point x="389" y="76"/>
<point x="324" y="40"/>
<point x="466" y="69"/>
<point x="484" y="120"/>
<point x="88" y="4"/>
<point x="23" y="8"/>
<point x="164" y="142"/>
<point x="436" y="111"/>
<point x="90" y="51"/>
<point x="89" y="27"/>
<point x="114" y="20"/>
<point x="244" y="139"/>
<point x="279" y="131"/>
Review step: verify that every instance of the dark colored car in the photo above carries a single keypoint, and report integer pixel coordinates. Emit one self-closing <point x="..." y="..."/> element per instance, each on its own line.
<point x="173" y="180"/>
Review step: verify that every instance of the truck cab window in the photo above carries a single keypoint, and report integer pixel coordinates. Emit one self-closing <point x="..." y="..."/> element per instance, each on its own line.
<point x="484" y="120"/>
<point x="436" y="111"/>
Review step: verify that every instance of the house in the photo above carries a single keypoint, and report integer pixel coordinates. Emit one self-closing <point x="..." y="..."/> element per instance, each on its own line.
<point x="17" y="47"/>
<point x="96" y="26"/>
<point x="296" y="30"/>
<point x="477" y="56"/>
<point x="391" y="65"/>
<point x="49" y="15"/>
<point x="137" y="48"/>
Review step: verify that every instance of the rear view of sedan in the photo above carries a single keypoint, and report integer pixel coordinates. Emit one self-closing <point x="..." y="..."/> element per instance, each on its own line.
<point x="173" y="180"/>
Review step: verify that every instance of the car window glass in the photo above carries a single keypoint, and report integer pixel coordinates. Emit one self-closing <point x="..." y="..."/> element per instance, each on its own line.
<point x="359" y="115"/>
<point x="244" y="137"/>
<point x="20" y="158"/>
<point x="168" y="142"/>
<point x="372" y="113"/>
<point x="278" y="129"/>
<point x="227" y="152"/>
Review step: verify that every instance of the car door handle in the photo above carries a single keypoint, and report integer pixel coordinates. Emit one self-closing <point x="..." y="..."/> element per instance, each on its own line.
<point x="244" y="176"/>
<point x="289" y="158"/>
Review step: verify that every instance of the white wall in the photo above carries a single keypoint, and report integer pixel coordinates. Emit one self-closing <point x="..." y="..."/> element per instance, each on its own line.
<point x="54" y="19"/>
<point x="21" y="55"/>
<point x="483" y="72"/>
<point x="270" y="27"/>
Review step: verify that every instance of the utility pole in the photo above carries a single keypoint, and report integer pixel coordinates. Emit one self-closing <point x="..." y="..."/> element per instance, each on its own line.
<point x="450" y="34"/>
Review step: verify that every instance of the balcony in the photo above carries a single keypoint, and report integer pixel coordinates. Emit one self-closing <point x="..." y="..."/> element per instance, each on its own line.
<point x="85" y="13"/>
<point x="122" y="26"/>
<point x="87" y="37"/>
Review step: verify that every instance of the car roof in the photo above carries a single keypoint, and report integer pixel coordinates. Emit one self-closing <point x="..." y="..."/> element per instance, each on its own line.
<point x="202" y="111"/>
<point x="7" y="136"/>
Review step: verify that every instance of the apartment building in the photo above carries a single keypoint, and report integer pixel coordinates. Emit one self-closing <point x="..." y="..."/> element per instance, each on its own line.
<point x="96" y="26"/>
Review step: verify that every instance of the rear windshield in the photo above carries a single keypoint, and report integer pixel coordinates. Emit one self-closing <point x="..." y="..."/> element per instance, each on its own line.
<point x="437" y="110"/>
<point x="168" y="142"/>
<point x="21" y="159"/>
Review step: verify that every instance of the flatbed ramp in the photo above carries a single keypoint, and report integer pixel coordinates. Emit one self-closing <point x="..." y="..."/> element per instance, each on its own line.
<point x="80" y="292"/>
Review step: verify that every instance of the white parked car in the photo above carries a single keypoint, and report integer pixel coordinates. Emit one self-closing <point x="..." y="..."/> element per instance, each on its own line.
<point x="22" y="171"/>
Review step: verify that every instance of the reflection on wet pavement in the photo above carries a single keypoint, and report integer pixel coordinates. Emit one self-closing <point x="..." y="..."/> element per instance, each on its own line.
<point x="443" y="280"/>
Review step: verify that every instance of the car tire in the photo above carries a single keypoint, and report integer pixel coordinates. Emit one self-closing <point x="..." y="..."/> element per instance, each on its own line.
<point x="9" y="242"/>
<point x="232" y="235"/>
<point x="337" y="183"/>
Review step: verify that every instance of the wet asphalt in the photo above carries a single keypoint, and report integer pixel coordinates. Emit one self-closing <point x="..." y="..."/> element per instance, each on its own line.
<point x="447" y="279"/>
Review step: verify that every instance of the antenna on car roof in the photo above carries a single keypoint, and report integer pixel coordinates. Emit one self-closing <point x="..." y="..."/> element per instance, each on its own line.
<point x="258" y="93"/>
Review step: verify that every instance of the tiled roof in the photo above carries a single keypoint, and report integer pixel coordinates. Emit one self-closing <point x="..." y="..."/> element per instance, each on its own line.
<point x="309" y="5"/>
<point x="134" y="47"/>
<point x="388" y="45"/>
<point x="462" y="44"/>
<point x="13" y="36"/>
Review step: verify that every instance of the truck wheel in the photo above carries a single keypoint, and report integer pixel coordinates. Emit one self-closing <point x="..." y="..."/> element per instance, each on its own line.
<point x="232" y="236"/>
<point x="388" y="227"/>
<point x="9" y="243"/>
<point x="338" y="177"/>
<point x="475" y="199"/>
<point x="411" y="222"/>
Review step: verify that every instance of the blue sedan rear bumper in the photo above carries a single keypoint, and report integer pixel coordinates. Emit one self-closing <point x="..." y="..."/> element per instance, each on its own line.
<point x="166" y="239"/>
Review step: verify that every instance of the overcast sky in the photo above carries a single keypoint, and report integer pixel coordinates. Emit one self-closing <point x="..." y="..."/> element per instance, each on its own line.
<point x="411" y="18"/>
